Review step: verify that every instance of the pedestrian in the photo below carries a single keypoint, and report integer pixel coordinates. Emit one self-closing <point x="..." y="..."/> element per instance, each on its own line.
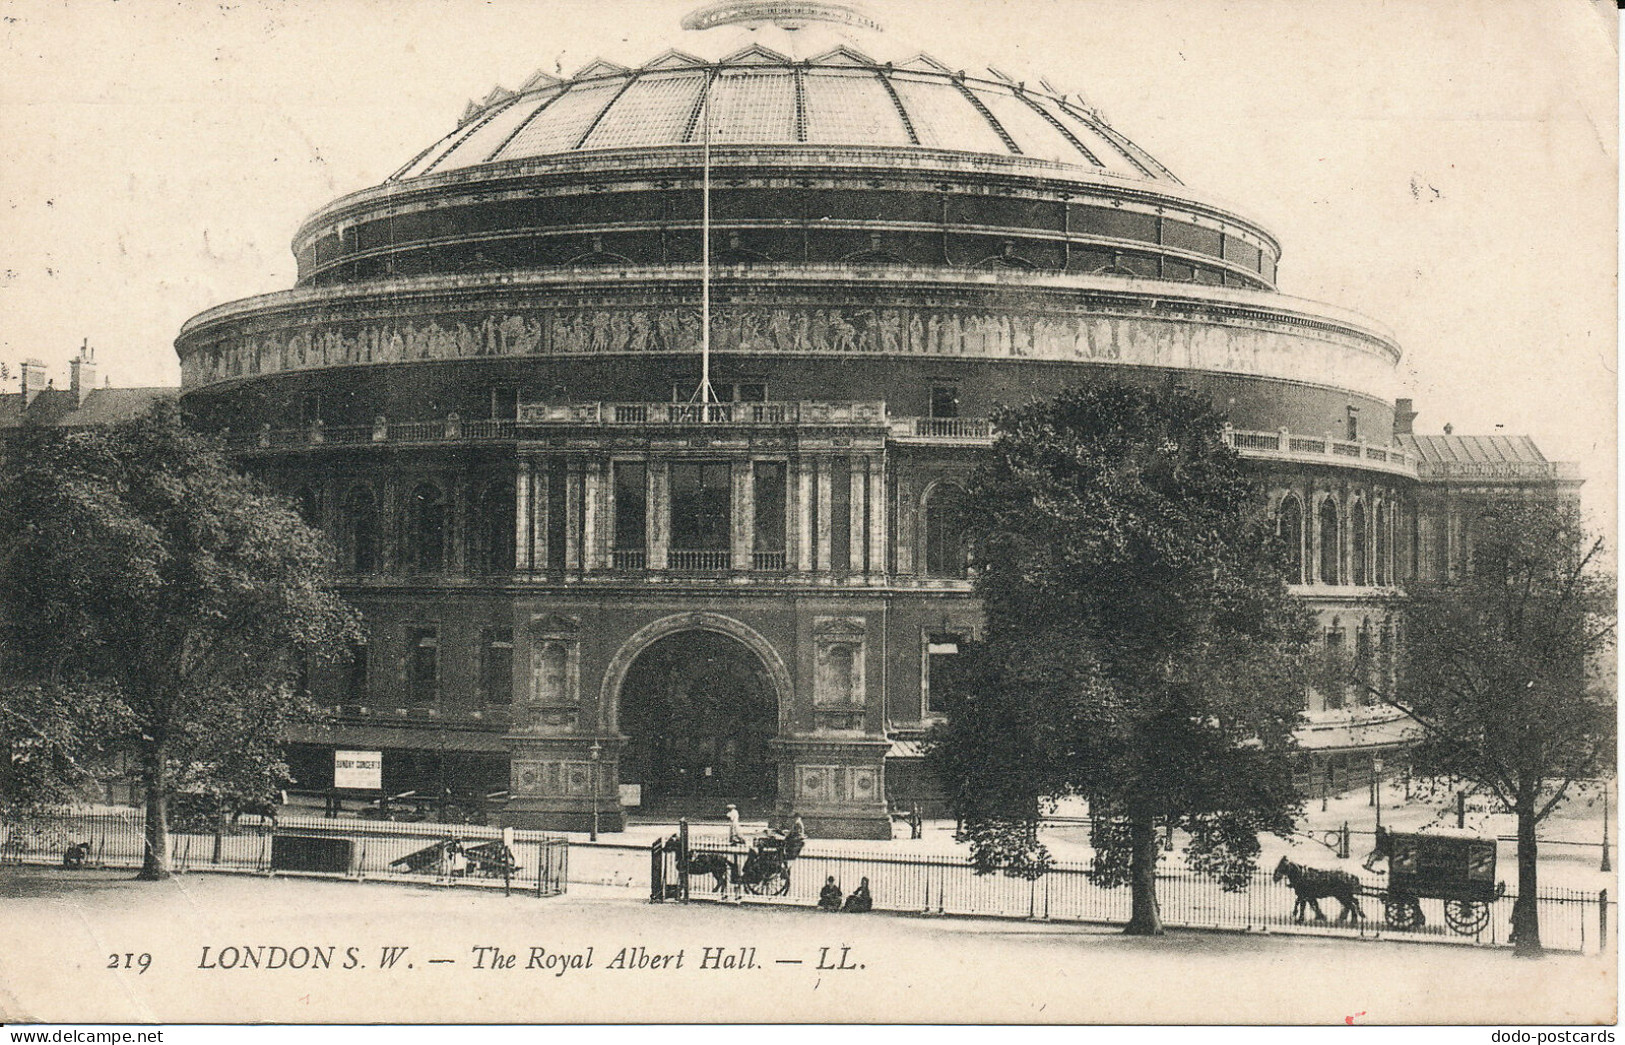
<point x="795" y="838"/>
<point x="916" y="824"/>
<point x="457" y="860"/>
<point x="735" y="835"/>
<point x="860" y="902"/>
<point x="829" y="898"/>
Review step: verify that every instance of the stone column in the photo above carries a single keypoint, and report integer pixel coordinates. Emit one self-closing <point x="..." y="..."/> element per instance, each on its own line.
<point x="877" y="516"/>
<point x="824" y="467"/>
<point x="540" y="501"/>
<point x="592" y="498"/>
<point x="573" y="488"/>
<point x="904" y="533"/>
<point x="743" y="508"/>
<point x="521" y="518"/>
<point x="803" y="514"/>
<point x="856" y="519"/>
<point x="659" y="513"/>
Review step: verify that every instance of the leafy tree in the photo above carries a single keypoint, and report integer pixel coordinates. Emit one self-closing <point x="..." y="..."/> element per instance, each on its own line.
<point x="1141" y="648"/>
<point x="135" y="564"/>
<point x="1503" y="667"/>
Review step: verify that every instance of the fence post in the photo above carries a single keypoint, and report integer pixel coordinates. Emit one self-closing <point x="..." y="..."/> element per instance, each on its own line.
<point x="1343" y="843"/>
<point x="682" y="857"/>
<point x="1602" y="922"/>
<point x="657" y="869"/>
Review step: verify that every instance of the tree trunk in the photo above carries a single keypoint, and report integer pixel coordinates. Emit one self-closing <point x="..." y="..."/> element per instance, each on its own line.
<point x="155" y="776"/>
<point x="1146" y="919"/>
<point x="1526" y="909"/>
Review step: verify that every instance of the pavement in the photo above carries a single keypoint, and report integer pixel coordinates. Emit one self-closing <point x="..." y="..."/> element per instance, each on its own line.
<point x="98" y="946"/>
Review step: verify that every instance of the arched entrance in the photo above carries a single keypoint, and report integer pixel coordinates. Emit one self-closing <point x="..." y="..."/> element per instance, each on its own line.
<point x="699" y="711"/>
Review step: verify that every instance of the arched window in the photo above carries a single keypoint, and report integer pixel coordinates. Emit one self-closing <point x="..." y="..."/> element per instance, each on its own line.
<point x="945" y="532"/>
<point x="1385" y="545"/>
<point x="1359" y="573"/>
<point x="425" y="543"/>
<point x="490" y="531"/>
<point x="1330" y="543"/>
<point x="307" y="500"/>
<point x="1289" y="527"/>
<point x="361" y="529"/>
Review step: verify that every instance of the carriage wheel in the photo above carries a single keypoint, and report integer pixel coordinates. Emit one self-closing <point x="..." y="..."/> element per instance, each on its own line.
<point x="1467" y="917"/>
<point x="775" y="883"/>
<point x="1403" y="914"/>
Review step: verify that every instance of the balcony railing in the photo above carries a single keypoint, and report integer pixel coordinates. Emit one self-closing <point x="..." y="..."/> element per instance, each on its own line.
<point x="789" y="412"/>
<point x="943" y="429"/>
<point x="629" y="559"/>
<point x="767" y="561"/>
<point x="1283" y="444"/>
<point x="699" y="561"/>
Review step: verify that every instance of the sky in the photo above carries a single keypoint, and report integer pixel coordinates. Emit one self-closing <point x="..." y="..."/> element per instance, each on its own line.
<point x="1446" y="168"/>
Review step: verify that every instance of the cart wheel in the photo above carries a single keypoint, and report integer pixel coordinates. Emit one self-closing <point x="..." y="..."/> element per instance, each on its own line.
<point x="774" y="883"/>
<point x="1403" y="914"/>
<point x="1467" y="917"/>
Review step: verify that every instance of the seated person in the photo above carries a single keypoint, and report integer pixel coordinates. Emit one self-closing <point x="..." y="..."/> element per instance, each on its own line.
<point x="829" y="899"/>
<point x="860" y="901"/>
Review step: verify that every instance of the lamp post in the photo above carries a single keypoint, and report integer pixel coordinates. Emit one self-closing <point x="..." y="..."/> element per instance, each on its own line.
<point x="1607" y="864"/>
<point x="1376" y="786"/>
<point x="595" y="751"/>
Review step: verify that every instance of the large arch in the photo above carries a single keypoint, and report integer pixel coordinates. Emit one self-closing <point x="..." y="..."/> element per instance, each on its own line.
<point x="609" y="694"/>
<point x="700" y="706"/>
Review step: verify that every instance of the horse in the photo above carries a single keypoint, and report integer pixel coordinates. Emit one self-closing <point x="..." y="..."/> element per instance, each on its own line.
<point x="717" y="865"/>
<point x="1312" y="884"/>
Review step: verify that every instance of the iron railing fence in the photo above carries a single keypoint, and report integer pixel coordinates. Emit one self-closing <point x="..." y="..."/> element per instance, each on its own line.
<point x="1570" y="920"/>
<point x="383" y="851"/>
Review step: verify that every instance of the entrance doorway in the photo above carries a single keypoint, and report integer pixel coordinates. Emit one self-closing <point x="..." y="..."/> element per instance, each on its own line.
<point x="699" y="712"/>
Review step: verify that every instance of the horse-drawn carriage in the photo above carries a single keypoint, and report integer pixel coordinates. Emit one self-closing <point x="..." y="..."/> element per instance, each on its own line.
<point x="1458" y="869"/>
<point x="763" y="871"/>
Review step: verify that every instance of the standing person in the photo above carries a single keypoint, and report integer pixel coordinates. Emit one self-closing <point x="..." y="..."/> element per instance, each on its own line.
<point x="916" y="823"/>
<point x="795" y="838"/>
<point x="735" y="835"/>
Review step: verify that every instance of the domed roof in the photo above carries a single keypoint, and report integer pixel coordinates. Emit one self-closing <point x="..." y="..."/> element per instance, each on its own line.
<point x="759" y="96"/>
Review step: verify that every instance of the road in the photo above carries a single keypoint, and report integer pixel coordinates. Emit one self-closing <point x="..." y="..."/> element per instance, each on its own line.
<point x="63" y="930"/>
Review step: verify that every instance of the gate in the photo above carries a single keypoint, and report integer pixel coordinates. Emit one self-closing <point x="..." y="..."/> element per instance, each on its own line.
<point x="667" y="858"/>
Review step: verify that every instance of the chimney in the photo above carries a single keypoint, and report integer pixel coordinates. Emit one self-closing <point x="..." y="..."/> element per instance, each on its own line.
<point x="1404" y="416"/>
<point x="33" y="380"/>
<point x="82" y="373"/>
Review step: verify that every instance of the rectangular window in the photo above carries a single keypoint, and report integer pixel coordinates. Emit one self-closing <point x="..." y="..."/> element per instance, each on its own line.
<point x="504" y="404"/>
<point x="310" y="408"/>
<point x="496" y="665"/>
<point x="701" y="505"/>
<point x="941" y="664"/>
<point x="355" y="679"/>
<point x="840" y="513"/>
<point x="1353" y="423"/>
<point x="631" y="507"/>
<point x="1334" y="658"/>
<point x="769" y="498"/>
<point x="422" y="665"/>
<point x="944" y="400"/>
<point x="557" y="476"/>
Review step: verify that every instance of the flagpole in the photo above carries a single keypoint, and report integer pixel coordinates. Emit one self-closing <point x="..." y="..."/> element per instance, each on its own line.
<point x="704" y="392"/>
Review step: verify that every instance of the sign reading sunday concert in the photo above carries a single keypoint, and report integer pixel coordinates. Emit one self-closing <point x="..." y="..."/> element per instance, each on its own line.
<point x="358" y="770"/>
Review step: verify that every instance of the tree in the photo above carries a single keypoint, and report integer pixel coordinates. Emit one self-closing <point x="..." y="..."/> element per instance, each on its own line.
<point x="137" y="566"/>
<point x="1140" y="648"/>
<point x="1503" y="669"/>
